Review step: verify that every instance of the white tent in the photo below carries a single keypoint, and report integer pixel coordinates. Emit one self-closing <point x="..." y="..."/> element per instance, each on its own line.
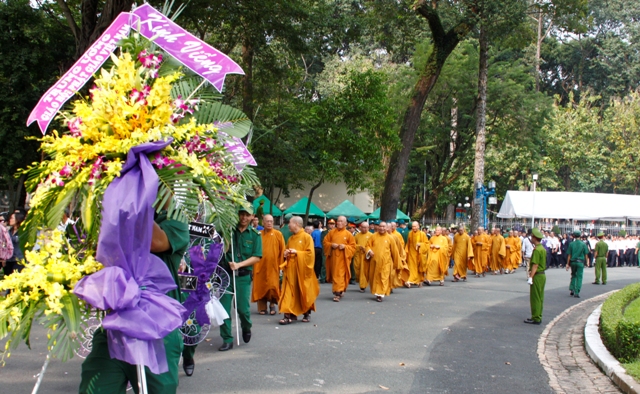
<point x="568" y="205"/>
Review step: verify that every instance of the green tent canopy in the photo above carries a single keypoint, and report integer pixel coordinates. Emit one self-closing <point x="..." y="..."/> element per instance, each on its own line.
<point x="399" y="215"/>
<point x="300" y="208"/>
<point x="347" y="209"/>
<point x="267" y="206"/>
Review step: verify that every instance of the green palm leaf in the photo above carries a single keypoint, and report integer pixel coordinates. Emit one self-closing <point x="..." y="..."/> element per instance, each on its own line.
<point x="209" y="112"/>
<point x="190" y="86"/>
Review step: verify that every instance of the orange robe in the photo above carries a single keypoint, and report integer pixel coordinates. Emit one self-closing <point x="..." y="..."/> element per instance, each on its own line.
<point x="413" y="252"/>
<point x="498" y="252"/>
<point x="438" y="258"/>
<point x="385" y="257"/>
<point x="481" y="249"/>
<point x="338" y="261"/>
<point x="400" y="272"/>
<point x="299" y="283"/>
<point x="266" y="272"/>
<point x="360" y="263"/>
<point x="506" y="262"/>
<point x="462" y="253"/>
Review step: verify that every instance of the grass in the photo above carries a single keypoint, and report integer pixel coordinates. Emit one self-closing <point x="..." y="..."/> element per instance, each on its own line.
<point x="632" y="311"/>
<point x="633" y="369"/>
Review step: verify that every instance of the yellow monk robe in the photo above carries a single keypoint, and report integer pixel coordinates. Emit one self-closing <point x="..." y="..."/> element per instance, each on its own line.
<point x="462" y="253"/>
<point x="498" y="252"/>
<point x="449" y="255"/>
<point x="412" y="250"/>
<point x="481" y="250"/>
<point x="506" y="262"/>
<point x="299" y="283"/>
<point x="338" y="261"/>
<point x="266" y="272"/>
<point x="360" y="263"/>
<point x="438" y="258"/>
<point x="385" y="257"/>
<point x="401" y="273"/>
<point x="512" y="254"/>
<point x="515" y="263"/>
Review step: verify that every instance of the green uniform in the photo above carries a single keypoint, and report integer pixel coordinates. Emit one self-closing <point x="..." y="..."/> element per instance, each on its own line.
<point x="405" y="233"/>
<point x="323" y="271"/>
<point x="601" y="261"/>
<point x="577" y="250"/>
<point x="246" y="244"/>
<point x="536" y="294"/>
<point x="286" y="233"/>
<point x="102" y="374"/>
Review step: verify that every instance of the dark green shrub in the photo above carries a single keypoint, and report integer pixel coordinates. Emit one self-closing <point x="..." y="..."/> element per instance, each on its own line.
<point x="620" y="335"/>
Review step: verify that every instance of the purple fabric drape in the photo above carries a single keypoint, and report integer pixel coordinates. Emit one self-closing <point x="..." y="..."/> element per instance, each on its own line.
<point x="202" y="268"/>
<point x="133" y="284"/>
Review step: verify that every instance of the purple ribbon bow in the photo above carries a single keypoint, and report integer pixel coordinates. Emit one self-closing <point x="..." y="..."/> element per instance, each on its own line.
<point x="133" y="284"/>
<point x="202" y="268"/>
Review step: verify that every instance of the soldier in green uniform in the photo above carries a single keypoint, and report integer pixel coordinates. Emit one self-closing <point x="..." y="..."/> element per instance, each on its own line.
<point x="537" y="278"/>
<point x="601" y="259"/>
<point x="331" y="224"/>
<point x="247" y="250"/>
<point x="403" y="230"/>
<point x="101" y="373"/>
<point x="577" y="256"/>
<point x="286" y="233"/>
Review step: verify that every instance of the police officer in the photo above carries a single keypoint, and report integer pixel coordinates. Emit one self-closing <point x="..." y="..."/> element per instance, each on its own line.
<point x="537" y="278"/>
<point x="247" y="250"/>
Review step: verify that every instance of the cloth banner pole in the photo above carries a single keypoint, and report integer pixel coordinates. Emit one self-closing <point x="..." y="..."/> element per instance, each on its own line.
<point x="235" y="291"/>
<point x="142" y="379"/>
<point x="41" y="375"/>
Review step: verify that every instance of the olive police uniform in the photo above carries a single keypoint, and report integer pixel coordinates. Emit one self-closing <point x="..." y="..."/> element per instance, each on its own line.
<point x="246" y="244"/>
<point x="101" y="373"/>
<point x="536" y="294"/>
<point x="601" y="261"/>
<point x="577" y="251"/>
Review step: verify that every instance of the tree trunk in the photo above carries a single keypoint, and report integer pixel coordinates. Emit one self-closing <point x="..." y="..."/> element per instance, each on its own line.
<point x="313" y="189"/>
<point x="538" y="49"/>
<point x="478" y="171"/>
<point x="443" y="44"/>
<point x="247" y="80"/>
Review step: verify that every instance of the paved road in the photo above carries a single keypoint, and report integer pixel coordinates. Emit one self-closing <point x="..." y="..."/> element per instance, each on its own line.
<point x="460" y="338"/>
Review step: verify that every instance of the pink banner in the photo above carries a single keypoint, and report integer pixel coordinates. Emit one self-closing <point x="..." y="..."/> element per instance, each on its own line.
<point x="198" y="56"/>
<point x="242" y="155"/>
<point x="78" y="75"/>
<point x="203" y="59"/>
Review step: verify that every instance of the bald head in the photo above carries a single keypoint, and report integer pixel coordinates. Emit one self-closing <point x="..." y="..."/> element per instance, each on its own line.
<point x="341" y="222"/>
<point x="382" y="227"/>
<point x="438" y="230"/>
<point x="415" y="227"/>
<point x="267" y="222"/>
<point x="295" y="224"/>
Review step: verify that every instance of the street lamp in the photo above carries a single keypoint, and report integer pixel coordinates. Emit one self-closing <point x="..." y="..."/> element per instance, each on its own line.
<point x="482" y="193"/>
<point x="533" y="207"/>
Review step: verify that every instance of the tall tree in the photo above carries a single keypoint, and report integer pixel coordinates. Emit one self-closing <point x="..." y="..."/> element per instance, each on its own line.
<point x="444" y="42"/>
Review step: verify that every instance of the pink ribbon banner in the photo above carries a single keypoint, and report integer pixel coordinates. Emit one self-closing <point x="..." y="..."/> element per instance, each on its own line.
<point x="242" y="156"/>
<point x="194" y="53"/>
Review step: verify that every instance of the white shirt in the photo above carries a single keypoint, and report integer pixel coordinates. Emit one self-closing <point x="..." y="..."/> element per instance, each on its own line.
<point x="527" y="247"/>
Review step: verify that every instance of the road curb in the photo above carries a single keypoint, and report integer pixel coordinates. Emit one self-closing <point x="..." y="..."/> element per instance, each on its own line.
<point x="601" y="356"/>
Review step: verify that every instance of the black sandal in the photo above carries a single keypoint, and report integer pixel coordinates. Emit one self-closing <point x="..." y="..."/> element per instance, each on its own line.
<point x="262" y="312"/>
<point x="272" y="309"/>
<point x="287" y="320"/>
<point x="305" y="318"/>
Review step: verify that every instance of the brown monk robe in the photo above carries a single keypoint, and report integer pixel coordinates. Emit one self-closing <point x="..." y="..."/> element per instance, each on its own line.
<point x="360" y="263"/>
<point x="400" y="274"/>
<point x="438" y="258"/>
<point x="339" y="247"/>
<point x="266" y="272"/>
<point x="498" y="252"/>
<point x="462" y="254"/>
<point x="382" y="253"/>
<point x="299" y="283"/>
<point x="481" y="251"/>
<point x="413" y="250"/>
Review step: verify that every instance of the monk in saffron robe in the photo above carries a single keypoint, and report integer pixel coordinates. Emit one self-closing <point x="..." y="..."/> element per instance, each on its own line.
<point x="382" y="253"/>
<point x="498" y="252"/>
<point x="481" y="250"/>
<point x="516" y="252"/>
<point x="400" y="272"/>
<point x="415" y="240"/>
<point x="299" y="283"/>
<point x="462" y="254"/>
<point x="438" y="258"/>
<point x="339" y="247"/>
<point x="266" y="272"/>
<point x="508" y="248"/>
<point x="360" y="264"/>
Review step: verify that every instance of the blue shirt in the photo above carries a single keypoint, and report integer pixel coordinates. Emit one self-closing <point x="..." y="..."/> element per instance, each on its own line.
<point x="316" y="235"/>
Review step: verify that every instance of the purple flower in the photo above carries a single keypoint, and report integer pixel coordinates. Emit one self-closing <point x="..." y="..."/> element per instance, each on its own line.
<point x="74" y="127"/>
